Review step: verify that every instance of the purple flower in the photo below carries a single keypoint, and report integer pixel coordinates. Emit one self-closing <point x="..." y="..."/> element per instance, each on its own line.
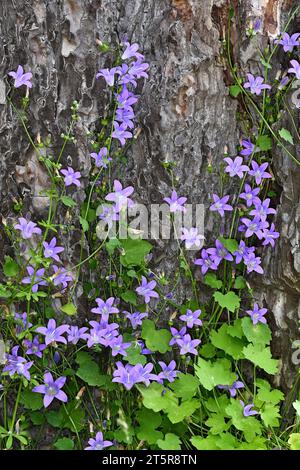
<point x="125" y="116"/>
<point x="175" y="202"/>
<point x="253" y="263"/>
<point x="270" y="236"/>
<point x="191" y="237"/>
<point x="295" y="68"/>
<point x="206" y="262"/>
<point x="108" y="334"/>
<point x="176" y="335"/>
<point x="52" y="389"/>
<point x="144" y="373"/>
<point x="129" y="375"/>
<point x="283" y="82"/>
<point x="98" y="443"/>
<point x="61" y="276"/>
<point x="143" y="348"/>
<point x="250" y="195"/>
<point x="146" y="290"/>
<point x="108" y="75"/>
<point x="242" y="252"/>
<point x="121" y="133"/>
<point x="109" y="214"/>
<point x="247" y="409"/>
<point x="101" y="158"/>
<point x="126" y="99"/>
<point x="120" y="196"/>
<point x="219" y="253"/>
<point x="21" y="322"/>
<point x="232" y="388"/>
<point x="118" y="347"/>
<point x="51" y="250"/>
<point x="168" y="372"/>
<point x="131" y="51"/>
<point x="257" y="25"/>
<point x="191" y="318"/>
<point x="34" y="347"/>
<point x="136" y="318"/>
<point x="257" y="314"/>
<point x="248" y="147"/>
<point x="262" y="209"/>
<point x="53" y="334"/>
<point x="254" y="227"/>
<point x="256" y="84"/>
<point x="125" y="76"/>
<point x="187" y="345"/>
<point x="34" y="279"/>
<point x="75" y="334"/>
<point x="105" y="308"/>
<point x="27" y="228"/>
<point x="17" y="364"/>
<point x="138" y="69"/>
<point x="235" y="167"/>
<point x="220" y="204"/>
<point x="21" y="78"/>
<point x="288" y="42"/>
<point x="71" y="176"/>
<point x="259" y="172"/>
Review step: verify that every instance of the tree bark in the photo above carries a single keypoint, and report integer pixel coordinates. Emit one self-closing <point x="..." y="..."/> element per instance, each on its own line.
<point x="185" y="116"/>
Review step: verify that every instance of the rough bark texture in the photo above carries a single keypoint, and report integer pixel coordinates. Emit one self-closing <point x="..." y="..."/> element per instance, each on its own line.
<point x="185" y="113"/>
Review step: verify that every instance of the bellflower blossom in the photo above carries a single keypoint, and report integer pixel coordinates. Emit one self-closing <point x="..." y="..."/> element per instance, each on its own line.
<point x="129" y="375"/>
<point x="71" y="176"/>
<point x="192" y="238"/>
<point x="258" y="171"/>
<point x="250" y="195"/>
<point x="34" y="278"/>
<point x="98" y="443"/>
<point x="51" y="250"/>
<point x="126" y="99"/>
<point x="247" y="409"/>
<point x="219" y="253"/>
<point x="34" y="347"/>
<point x="101" y="158"/>
<point x="176" y="335"/>
<point x="256" y="84"/>
<point x="108" y="75"/>
<point x="138" y="69"/>
<point x="75" y="334"/>
<point x="61" y="276"/>
<point x="105" y="308"/>
<point x="270" y="235"/>
<point x="17" y="364"/>
<point x="295" y="68"/>
<point x="248" y="147"/>
<point x="146" y="290"/>
<point x="22" y="322"/>
<point x="257" y="314"/>
<point x="252" y="263"/>
<point x="242" y="251"/>
<point x="136" y="318"/>
<point x="121" y="133"/>
<point x="232" y="388"/>
<point x="262" y="209"/>
<point x="27" y="228"/>
<point x="188" y="345"/>
<point x="118" y="347"/>
<point x="21" y="78"/>
<point x="168" y="372"/>
<point x="253" y="226"/>
<point x="52" y="389"/>
<point x="109" y="214"/>
<point x="235" y="167"/>
<point x="131" y="50"/>
<point x="191" y="318"/>
<point x="108" y="334"/>
<point x="206" y="262"/>
<point x="175" y="202"/>
<point x="52" y="333"/>
<point x="220" y="204"/>
<point x="288" y="42"/>
<point x="120" y="196"/>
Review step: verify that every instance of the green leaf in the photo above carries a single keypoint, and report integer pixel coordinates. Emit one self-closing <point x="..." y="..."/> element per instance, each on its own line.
<point x="37" y="418"/>
<point x="211" y="280"/>
<point x="265" y="64"/>
<point x="230" y="301"/>
<point x="265" y="394"/>
<point x="177" y="414"/>
<point x="134" y="355"/>
<point x="65" y="443"/>
<point x="68" y="201"/>
<point x="170" y="442"/>
<point x="256" y="334"/>
<point x="296" y="405"/>
<point x="69" y="309"/>
<point x="235" y="330"/>
<point x="217" y="423"/>
<point x="185" y="386"/>
<point x="249" y="425"/>
<point x="156" y="340"/>
<point x="286" y="135"/>
<point x="88" y="370"/>
<point x="214" y="373"/>
<point x="148" y="421"/>
<point x="234" y="90"/>
<point x="294" y="441"/>
<point x="230" y="244"/>
<point x="207" y="351"/>
<point x="31" y="400"/>
<point x="261" y="357"/>
<point x="264" y="142"/>
<point x="4" y="292"/>
<point x="207" y="443"/>
<point x="227" y="441"/>
<point x="10" y="267"/>
<point x="270" y="415"/>
<point x="157" y="398"/>
<point x="222" y="340"/>
<point x="130" y="297"/>
<point x="84" y="224"/>
<point x="239" y="283"/>
<point x="112" y="244"/>
<point x="134" y="251"/>
<point x="69" y="417"/>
